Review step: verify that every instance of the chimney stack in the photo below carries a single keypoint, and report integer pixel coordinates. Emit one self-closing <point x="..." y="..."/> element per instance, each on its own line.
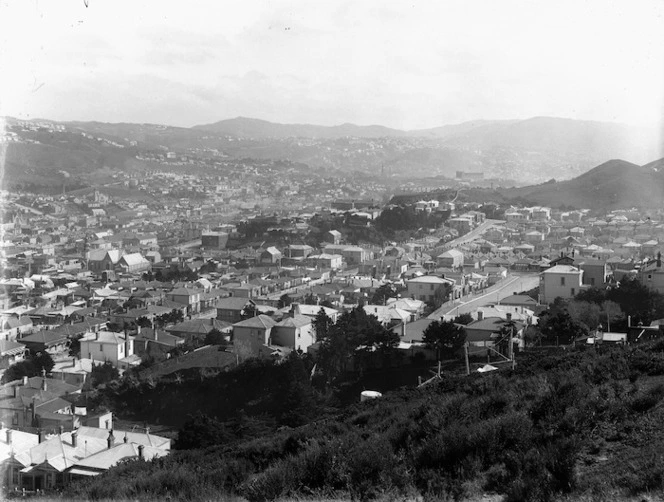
<point x="480" y="315"/>
<point x="61" y="430"/>
<point x="25" y="380"/>
<point x="509" y="316"/>
<point x="140" y="452"/>
<point x="126" y="439"/>
<point x="43" y="385"/>
<point x="40" y="434"/>
<point x="126" y="344"/>
<point x="9" y="436"/>
<point x="659" y="259"/>
<point x="74" y="438"/>
<point x="110" y="441"/>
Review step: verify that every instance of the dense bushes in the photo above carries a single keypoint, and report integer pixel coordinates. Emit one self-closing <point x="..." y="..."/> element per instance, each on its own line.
<point x="562" y="424"/>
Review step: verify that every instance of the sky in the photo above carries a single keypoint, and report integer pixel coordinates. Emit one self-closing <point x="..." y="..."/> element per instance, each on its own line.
<point x="405" y="65"/>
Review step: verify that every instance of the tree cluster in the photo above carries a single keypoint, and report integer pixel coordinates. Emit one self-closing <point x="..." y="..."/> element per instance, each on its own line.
<point x="356" y="337"/>
<point x="32" y="365"/>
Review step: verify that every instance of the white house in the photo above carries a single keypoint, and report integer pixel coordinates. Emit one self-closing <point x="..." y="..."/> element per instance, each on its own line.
<point x="561" y="280"/>
<point x="116" y="348"/>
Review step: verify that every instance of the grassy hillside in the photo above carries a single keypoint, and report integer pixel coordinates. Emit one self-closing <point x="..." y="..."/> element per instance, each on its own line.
<point x="568" y="425"/>
<point x="613" y="184"/>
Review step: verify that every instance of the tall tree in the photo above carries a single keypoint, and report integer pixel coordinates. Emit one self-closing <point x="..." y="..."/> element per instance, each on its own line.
<point x="445" y="337"/>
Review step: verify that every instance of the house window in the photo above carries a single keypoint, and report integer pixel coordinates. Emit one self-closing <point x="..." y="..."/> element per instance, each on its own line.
<point x="572" y="291"/>
<point x="649" y="277"/>
<point x="562" y="281"/>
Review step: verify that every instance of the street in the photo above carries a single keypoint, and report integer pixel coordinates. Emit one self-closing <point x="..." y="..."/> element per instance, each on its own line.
<point x="466" y="304"/>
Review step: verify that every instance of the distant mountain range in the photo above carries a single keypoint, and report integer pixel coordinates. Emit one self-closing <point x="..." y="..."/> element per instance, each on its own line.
<point x="542" y="134"/>
<point x="528" y="151"/>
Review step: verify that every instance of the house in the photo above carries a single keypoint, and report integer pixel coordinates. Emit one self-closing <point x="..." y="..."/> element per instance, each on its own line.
<point x="328" y="261"/>
<point x="189" y="297"/>
<point x="424" y="288"/>
<point x="232" y="309"/>
<point x="298" y="251"/>
<point x="46" y="462"/>
<point x="332" y="236"/>
<point x="101" y="260"/>
<point x="51" y="341"/>
<point x="295" y="332"/>
<point x="251" y="334"/>
<point x="271" y="256"/>
<point x="563" y="281"/>
<point x="313" y="310"/>
<point x="450" y="259"/>
<point x="485" y="333"/>
<point x="652" y="274"/>
<point x="595" y="272"/>
<point x="108" y="346"/>
<point x="10" y="352"/>
<point x="355" y="255"/>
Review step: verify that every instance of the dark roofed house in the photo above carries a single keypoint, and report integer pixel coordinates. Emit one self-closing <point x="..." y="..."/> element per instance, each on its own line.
<point x="51" y="341"/>
<point x="231" y="309"/>
<point x="251" y="334"/>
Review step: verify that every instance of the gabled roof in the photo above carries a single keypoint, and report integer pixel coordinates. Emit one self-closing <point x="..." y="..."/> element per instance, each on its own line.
<point x="260" y="321"/>
<point x="134" y="259"/>
<point x="562" y="269"/>
<point x="297" y="321"/>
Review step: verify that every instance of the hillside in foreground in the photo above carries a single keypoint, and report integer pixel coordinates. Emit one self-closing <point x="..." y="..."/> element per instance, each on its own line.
<point x="567" y="425"/>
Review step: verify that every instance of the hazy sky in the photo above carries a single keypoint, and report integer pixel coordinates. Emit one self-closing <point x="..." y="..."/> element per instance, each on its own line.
<point x="402" y="64"/>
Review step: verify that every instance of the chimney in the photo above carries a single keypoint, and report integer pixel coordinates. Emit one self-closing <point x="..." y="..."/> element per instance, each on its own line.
<point x="15" y="388"/>
<point x="629" y="321"/>
<point x="509" y="316"/>
<point x="74" y="438"/>
<point x="140" y="452"/>
<point x="9" y="436"/>
<point x="126" y="439"/>
<point x="403" y="329"/>
<point x="43" y="385"/>
<point x="156" y="335"/>
<point x="40" y="434"/>
<point x="96" y="335"/>
<point x="126" y="344"/>
<point x="480" y="315"/>
<point x="110" y="441"/>
<point x="25" y="380"/>
<point x="33" y="413"/>
<point x="73" y="362"/>
<point x="659" y="259"/>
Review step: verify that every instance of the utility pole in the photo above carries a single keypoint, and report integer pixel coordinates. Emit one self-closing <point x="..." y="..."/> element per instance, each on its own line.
<point x="465" y="353"/>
